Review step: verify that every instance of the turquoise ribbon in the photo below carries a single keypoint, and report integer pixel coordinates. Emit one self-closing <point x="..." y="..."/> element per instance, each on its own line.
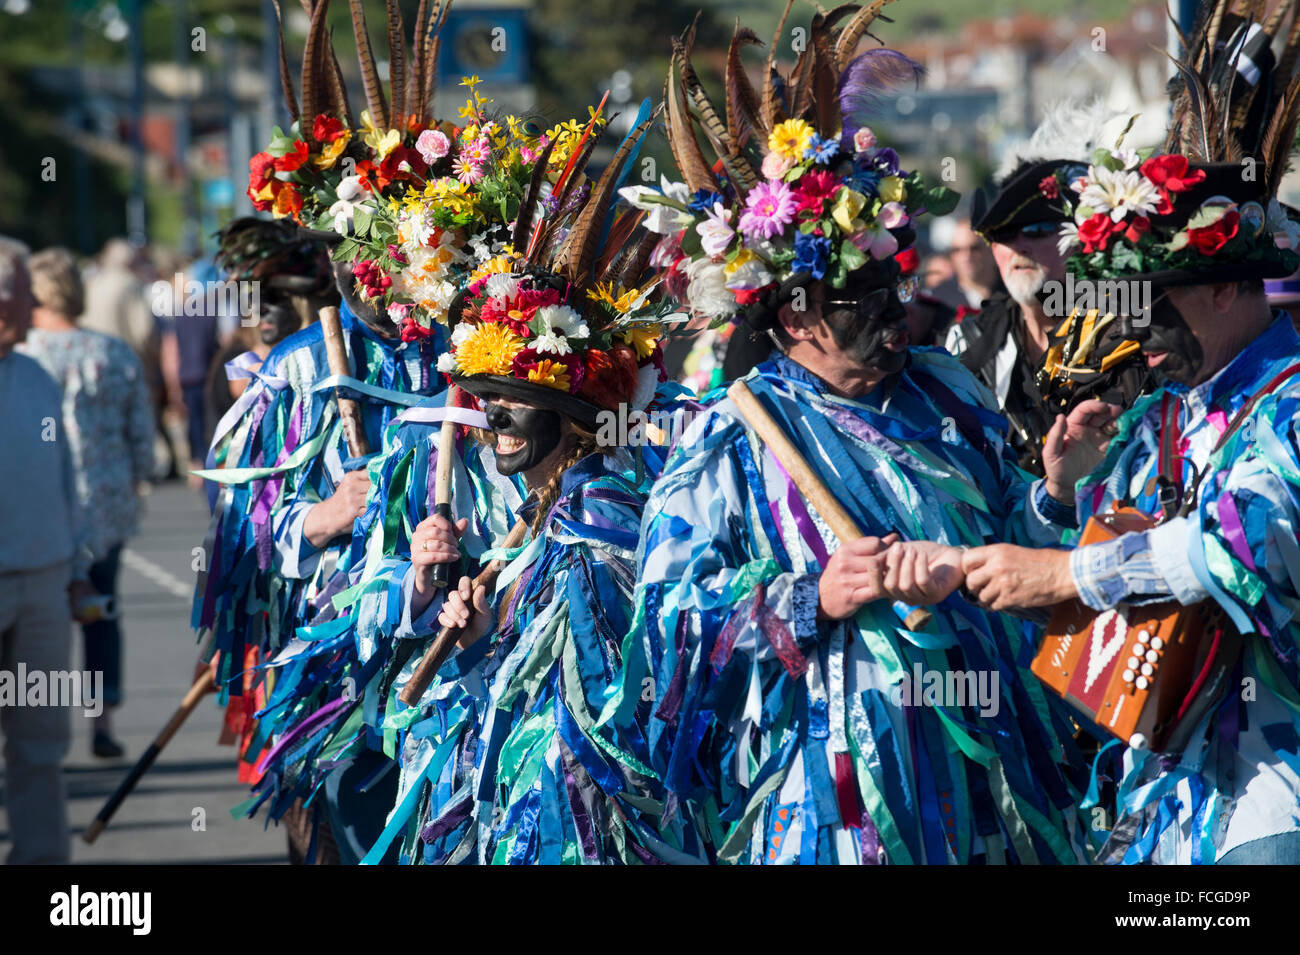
<point x="370" y="391"/>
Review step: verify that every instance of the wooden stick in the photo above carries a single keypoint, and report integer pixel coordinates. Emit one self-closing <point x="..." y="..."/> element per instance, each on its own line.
<point x="201" y="688"/>
<point x="807" y="481"/>
<point x="442" y="480"/>
<point x="336" y="354"/>
<point x="440" y="649"/>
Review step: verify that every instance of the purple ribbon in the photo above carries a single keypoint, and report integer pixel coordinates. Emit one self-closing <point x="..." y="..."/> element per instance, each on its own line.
<point x="802" y="519"/>
<point x="310" y="723"/>
<point x="1230" y="521"/>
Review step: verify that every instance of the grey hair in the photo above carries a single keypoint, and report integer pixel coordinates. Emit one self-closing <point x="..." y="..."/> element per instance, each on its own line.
<point x="1071" y="129"/>
<point x="13" y="256"/>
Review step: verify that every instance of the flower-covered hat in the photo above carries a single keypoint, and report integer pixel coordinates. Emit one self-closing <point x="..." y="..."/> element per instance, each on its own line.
<point x="1202" y="209"/>
<point x="570" y="322"/>
<point x="801" y="189"/>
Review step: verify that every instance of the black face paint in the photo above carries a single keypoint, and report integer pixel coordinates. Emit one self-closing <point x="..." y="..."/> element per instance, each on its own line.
<point x="866" y="332"/>
<point x="538" y="428"/>
<point x="1169" y="332"/>
<point x="275" y="323"/>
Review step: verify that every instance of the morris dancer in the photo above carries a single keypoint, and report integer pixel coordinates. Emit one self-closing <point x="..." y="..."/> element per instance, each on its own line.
<point x="785" y="722"/>
<point x="1202" y="233"/>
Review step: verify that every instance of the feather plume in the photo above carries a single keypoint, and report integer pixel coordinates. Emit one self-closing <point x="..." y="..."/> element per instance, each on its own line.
<point x="686" y="150"/>
<point x="286" y="79"/>
<point x="826" y="107"/>
<point x="1070" y="129"/>
<point x="397" y="65"/>
<point x="313" y="62"/>
<point x="370" y="81"/>
<point x="1279" y="136"/>
<point x="419" y="49"/>
<point x="846" y="44"/>
<point x="772" y="112"/>
<point x="742" y="99"/>
<point x="616" y="244"/>
<point x="627" y="273"/>
<point x="867" y="77"/>
<point x="337" y="88"/>
<point x="524" y="221"/>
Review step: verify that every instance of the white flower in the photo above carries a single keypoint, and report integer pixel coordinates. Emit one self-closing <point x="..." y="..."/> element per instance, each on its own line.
<point x="863" y="139"/>
<point x="1279" y="223"/>
<point x="501" y="285"/>
<point x="715" y="231"/>
<point x="1069" y="238"/>
<point x="343" y="212"/>
<point x="447" y="363"/>
<point x="663" y="219"/>
<point x="461" y="334"/>
<point x="550" y="342"/>
<point x="892" y="215"/>
<point x="1128" y="157"/>
<point x="1119" y="193"/>
<point x="707" y="291"/>
<point x="350" y="189"/>
<point x="564" y="319"/>
<point x="750" y="273"/>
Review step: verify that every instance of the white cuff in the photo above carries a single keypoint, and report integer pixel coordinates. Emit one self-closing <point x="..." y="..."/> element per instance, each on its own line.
<point x="1171" y="548"/>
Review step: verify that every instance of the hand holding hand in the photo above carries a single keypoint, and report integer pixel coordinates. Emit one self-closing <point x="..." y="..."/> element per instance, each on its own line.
<point x="922" y="572"/>
<point x="466" y="611"/>
<point x="853" y="576"/>
<point x="1002" y="576"/>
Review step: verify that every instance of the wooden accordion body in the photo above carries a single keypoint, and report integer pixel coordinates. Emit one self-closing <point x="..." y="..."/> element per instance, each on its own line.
<point x="1142" y="673"/>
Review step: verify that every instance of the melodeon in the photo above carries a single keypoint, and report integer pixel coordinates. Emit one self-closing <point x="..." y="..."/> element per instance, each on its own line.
<point x="1144" y="673"/>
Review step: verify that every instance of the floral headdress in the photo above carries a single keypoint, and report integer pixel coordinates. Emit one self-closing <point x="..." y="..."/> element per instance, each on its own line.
<point x="571" y="321"/>
<point x="801" y="187"/>
<point x="1202" y="209"/>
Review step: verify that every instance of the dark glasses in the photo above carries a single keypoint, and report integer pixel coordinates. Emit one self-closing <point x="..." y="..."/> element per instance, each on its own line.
<point x="874" y="300"/>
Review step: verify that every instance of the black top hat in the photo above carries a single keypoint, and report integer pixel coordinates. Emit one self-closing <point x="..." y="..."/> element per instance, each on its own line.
<point x="1022" y="200"/>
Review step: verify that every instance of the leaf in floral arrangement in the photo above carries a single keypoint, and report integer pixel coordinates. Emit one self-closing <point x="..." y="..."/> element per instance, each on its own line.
<point x="1101" y="156"/>
<point x="851" y="257"/>
<point x="280" y="143"/>
<point x="1125" y="258"/>
<point x="1178" y="242"/>
<point x="691" y="243"/>
<point x="361" y="221"/>
<point x="1207" y="215"/>
<point x="940" y="200"/>
<point x="836" y="273"/>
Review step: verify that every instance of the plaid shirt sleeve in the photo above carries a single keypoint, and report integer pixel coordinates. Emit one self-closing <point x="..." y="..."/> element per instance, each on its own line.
<point x="1137" y="568"/>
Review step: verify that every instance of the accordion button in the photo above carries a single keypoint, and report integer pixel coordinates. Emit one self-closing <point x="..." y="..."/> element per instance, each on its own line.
<point x="1148" y="669"/>
<point x="1152" y="656"/>
<point x="1128" y="676"/>
<point x="1142" y="683"/>
<point x="1139" y="650"/>
<point x="1133" y="662"/>
<point x="1157" y="643"/>
<point x="1144" y="637"/>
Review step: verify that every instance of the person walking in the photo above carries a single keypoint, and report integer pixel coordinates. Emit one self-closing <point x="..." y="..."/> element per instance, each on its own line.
<point x="108" y="420"/>
<point x="40" y="552"/>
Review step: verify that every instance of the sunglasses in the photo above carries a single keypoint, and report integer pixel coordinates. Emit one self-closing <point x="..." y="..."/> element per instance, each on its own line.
<point x="1031" y="230"/>
<point x="874" y="300"/>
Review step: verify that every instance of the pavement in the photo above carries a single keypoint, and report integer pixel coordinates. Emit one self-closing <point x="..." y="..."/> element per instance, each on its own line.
<point x="180" y="811"/>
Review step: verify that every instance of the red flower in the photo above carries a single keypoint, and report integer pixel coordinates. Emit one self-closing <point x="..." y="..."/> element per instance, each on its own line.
<point x="813" y="189"/>
<point x="389" y="169"/>
<point x="1136" y="229"/>
<point x="368" y="173"/>
<point x="326" y="129"/>
<point x="1212" y="238"/>
<point x="909" y="260"/>
<point x="413" y="330"/>
<point x="610" y="376"/>
<point x="291" y="161"/>
<point x="260" y="175"/>
<point x="748" y="296"/>
<point x="1170" y="173"/>
<point x="1049" y="188"/>
<point x="1096" y="233"/>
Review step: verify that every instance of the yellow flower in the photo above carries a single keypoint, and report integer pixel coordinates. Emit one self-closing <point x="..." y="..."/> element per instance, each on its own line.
<point x="891" y="189"/>
<point x="643" y="338"/>
<point x="332" y="151"/>
<point x="742" y="257"/>
<point x="381" y="142"/>
<point x="553" y="374"/>
<point x="497" y="264"/>
<point x="790" y="138"/>
<point x="470" y="81"/>
<point x="623" y="303"/>
<point x="845" y="209"/>
<point x="489" y="350"/>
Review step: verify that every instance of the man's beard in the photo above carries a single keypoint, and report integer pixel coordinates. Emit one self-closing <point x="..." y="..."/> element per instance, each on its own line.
<point x="865" y="338"/>
<point x="1168" y="332"/>
<point x="1024" y="286"/>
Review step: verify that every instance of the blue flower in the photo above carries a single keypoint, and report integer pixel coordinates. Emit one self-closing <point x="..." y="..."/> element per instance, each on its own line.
<point x="810" y="253"/>
<point x="702" y="200"/>
<point x="886" y="160"/>
<point x="821" y="150"/>
<point x="864" y="181"/>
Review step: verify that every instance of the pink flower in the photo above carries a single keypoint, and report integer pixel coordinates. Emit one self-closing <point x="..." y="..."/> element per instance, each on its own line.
<point x="769" y="208"/>
<point x="432" y="145"/>
<point x="467" y="171"/>
<point x="863" y="139"/>
<point x="775" y="165"/>
<point x="892" y="215"/>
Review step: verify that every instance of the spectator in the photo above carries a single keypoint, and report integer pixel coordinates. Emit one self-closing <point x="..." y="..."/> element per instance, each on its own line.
<point x="40" y="552"/>
<point x="109" y="423"/>
<point x="974" y="265"/>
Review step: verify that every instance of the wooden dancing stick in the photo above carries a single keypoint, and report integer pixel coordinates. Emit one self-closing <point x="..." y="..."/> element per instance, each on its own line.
<point x="440" y="649"/>
<point x="806" y="480"/>
<point x="201" y="688"/>
<point x="337" y="356"/>
<point x="442" y="480"/>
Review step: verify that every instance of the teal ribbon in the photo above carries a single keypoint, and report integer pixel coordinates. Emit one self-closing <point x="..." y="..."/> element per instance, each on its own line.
<point x="370" y="391"/>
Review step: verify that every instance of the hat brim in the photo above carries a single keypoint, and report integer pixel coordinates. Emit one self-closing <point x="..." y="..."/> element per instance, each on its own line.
<point x="486" y="386"/>
<point x="1215" y="274"/>
<point x="1019" y="202"/>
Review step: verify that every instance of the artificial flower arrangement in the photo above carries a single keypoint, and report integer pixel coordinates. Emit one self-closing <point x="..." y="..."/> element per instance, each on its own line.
<point x="518" y="324"/>
<point x="418" y="206"/>
<point x="1130" y="217"/>
<point x="826" y="206"/>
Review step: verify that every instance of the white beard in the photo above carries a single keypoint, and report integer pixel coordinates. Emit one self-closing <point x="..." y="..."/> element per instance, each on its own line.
<point x="1024" y="286"/>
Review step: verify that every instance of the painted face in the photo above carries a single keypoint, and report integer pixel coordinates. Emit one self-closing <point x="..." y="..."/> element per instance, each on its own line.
<point x="275" y="323"/>
<point x="872" y="330"/>
<point x="1170" y="346"/>
<point x="525" y="435"/>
